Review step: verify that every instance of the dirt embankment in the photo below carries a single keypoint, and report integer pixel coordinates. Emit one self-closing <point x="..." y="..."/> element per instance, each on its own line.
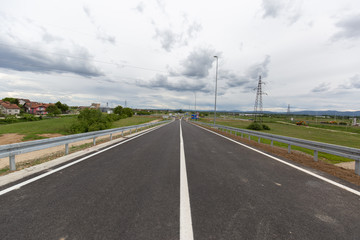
<point x="10" y="138"/>
<point x="49" y="153"/>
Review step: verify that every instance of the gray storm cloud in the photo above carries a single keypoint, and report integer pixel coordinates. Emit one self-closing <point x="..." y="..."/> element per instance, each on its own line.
<point x="77" y="61"/>
<point x="198" y="63"/>
<point x="349" y="28"/>
<point x="249" y="79"/>
<point x="290" y="9"/>
<point x="323" y="87"/>
<point x="180" y="85"/>
<point x="352" y="83"/>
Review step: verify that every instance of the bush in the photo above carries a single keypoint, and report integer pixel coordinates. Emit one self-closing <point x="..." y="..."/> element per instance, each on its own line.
<point x="265" y="127"/>
<point x="143" y="113"/>
<point x="91" y="120"/>
<point x="30" y="117"/>
<point x="257" y="126"/>
<point x="53" y="110"/>
<point x="128" y="112"/>
<point x="113" y="117"/>
<point x="11" y="119"/>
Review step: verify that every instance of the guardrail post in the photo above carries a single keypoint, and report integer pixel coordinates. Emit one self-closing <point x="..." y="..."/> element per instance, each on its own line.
<point x="122" y="133"/>
<point x="242" y="135"/>
<point x="136" y="130"/>
<point x="259" y="139"/>
<point x="130" y="130"/>
<point x="357" y="167"/>
<point x="249" y="138"/>
<point x="66" y="149"/>
<point x="289" y="148"/>
<point x="315" y="155"/>
<point x="12" y="162"/>
<point x="94" y="141"/>
<point x="110" y="136"/>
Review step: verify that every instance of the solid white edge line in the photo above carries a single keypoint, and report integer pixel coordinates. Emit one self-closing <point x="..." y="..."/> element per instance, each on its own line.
<point x="289" y="164"/>
<point x="186" y="230"/>
<point x="19" y="185"/>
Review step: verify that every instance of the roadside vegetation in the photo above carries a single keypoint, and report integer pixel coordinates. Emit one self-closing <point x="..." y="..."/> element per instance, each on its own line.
<point x="348" y="136"/>
<point x="70" y="124"/>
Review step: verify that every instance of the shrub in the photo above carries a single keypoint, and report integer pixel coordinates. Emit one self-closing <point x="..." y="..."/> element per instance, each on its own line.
<point x="118" y="110"/>
<point x="265" y="127"/>
<point x="128" y="112"/>
<point x="30" y="117"/>
<point x="91" y="120"/>
<point x="257" y="126"/>
<point x="113" y="117"/>
<point x="53" y="110"/>
<point x="11" y="119"/>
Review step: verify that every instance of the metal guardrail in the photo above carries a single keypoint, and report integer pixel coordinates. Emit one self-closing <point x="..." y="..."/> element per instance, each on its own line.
<point x="352" y="153"/>
<point x="11" y="150"/>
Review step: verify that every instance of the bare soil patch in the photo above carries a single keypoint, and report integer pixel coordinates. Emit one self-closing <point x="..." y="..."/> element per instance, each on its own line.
<point x="51" y="135"/>
<point x="9" y="138"/>
<point x="27" y="159"/>
<point x="300" y="157"/>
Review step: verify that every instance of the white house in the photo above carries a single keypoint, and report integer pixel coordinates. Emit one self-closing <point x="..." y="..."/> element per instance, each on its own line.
<point x="9" y="108"/>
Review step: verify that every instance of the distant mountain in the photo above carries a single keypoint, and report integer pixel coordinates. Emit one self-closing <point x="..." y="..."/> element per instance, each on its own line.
<point x="308" y="112"/>
<point x="328" y="113"/>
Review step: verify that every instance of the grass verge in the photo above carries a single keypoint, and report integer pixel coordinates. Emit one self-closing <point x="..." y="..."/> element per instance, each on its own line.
<point x="297" y="157"/>
<point x="54" y="155"/>
<point x="329" y="158"/>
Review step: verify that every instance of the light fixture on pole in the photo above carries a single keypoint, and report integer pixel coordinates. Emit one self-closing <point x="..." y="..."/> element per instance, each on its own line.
<point x="217" y="59"/>
<point x="195" y="101"/>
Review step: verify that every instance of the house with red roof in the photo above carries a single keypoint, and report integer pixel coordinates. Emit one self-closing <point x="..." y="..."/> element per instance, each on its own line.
<point x="36" y="108"/>
<point x="8" y="108"/>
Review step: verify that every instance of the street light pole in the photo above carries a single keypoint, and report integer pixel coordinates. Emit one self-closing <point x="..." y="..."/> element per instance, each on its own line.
<point x="217" y="59"/>
<point x="195" y="101"/>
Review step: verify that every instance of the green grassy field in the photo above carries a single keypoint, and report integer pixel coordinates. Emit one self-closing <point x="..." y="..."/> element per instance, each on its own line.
<point x="32" y="130"/>
<point x="135" y="120"/>
<point x="313" y="133"/>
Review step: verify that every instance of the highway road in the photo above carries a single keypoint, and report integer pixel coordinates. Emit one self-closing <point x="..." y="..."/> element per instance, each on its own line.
<point x="180" y="182"/>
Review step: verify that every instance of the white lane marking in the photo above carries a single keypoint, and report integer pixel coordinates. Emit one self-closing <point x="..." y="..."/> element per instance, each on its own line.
<point x="186" y="231"/>
<point x="289" y="164"/>
<point x="19" y="185"/>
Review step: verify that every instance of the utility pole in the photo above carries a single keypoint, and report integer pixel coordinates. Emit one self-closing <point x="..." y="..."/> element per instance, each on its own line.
<point x="288" y="112"/>
<point x="217" y="61"/>
<point x="195" y="101"/>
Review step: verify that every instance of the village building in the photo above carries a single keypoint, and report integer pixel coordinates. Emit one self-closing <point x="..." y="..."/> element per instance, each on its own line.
<point x="23" y="101"/>
<point x="36" y="108"/>
<point x="8" y="108"/>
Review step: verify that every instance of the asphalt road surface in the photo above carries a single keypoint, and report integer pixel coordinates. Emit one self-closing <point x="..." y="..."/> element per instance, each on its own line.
<point x="171" y="184"/>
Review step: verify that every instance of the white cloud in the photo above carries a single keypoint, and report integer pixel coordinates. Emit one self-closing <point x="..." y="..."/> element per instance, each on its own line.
<point x="157" y="53"/>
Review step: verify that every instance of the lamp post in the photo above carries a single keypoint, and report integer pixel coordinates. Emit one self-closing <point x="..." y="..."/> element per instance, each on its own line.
<point x="217" y="59"/>
<point x="195" y="101"/>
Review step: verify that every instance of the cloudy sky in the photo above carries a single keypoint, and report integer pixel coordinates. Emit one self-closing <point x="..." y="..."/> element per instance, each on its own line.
<point x="160" y="54"/>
